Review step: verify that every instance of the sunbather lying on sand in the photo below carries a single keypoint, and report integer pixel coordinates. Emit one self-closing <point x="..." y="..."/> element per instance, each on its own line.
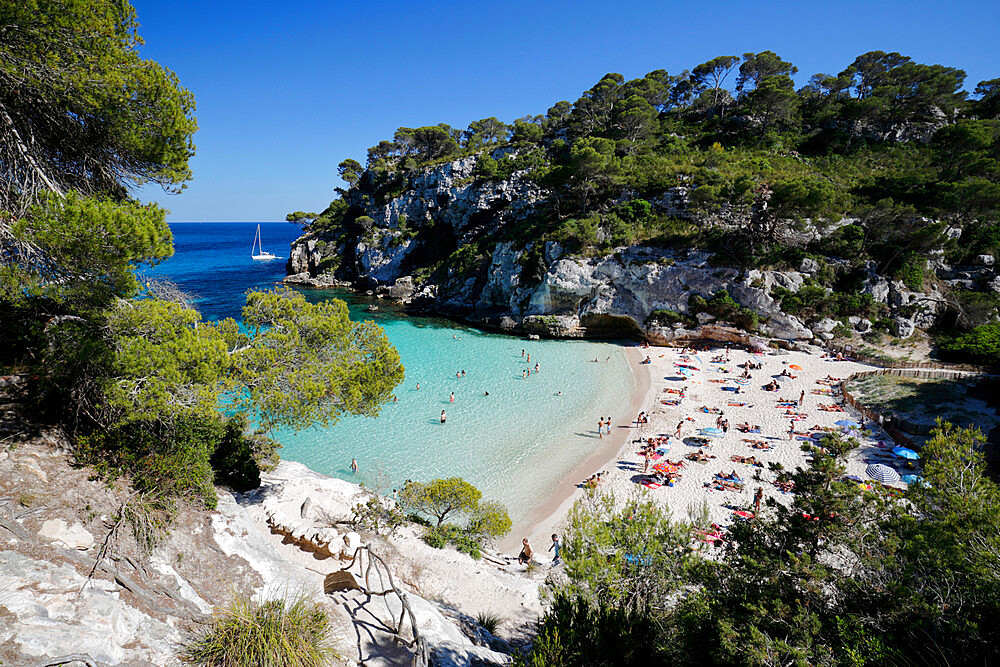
<point x="746" y="427"/>
<point x="748" y="460"/>
<point x="699" y="456"/>
<point x="758" y="444"/>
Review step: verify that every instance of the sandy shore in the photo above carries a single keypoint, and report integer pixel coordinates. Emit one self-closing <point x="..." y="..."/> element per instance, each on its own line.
<point x="547" y="516"/>
<point x="709" y="385"/>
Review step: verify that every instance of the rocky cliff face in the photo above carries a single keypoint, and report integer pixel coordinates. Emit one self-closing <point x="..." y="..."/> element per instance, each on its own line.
<point x="451" y="244"/>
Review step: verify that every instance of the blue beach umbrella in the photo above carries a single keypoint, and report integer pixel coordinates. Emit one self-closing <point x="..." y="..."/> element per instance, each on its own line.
<point x="904" y="453"/>
<point x="847" y="423"/>
<point x="712" y="431"/>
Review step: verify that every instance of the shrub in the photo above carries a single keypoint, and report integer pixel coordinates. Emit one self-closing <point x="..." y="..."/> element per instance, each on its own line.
<point x="665" y="316"/>
<point x="981" y="346"/>
<point x="272" y="632"/>
<point x="441" y="536"/>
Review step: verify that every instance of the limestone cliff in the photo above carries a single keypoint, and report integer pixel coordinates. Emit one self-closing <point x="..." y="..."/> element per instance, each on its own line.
<point x="448" y="242"/>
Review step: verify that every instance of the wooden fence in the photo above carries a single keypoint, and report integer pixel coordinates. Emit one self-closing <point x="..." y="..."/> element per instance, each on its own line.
<point x="892" y="424"/>
<point x="885" y="362"/>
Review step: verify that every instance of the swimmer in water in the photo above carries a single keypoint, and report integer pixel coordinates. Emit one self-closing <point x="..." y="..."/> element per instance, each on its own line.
<point x="486" y="393"/>
<point x="444" y="417"/>
<point x="452" y="397"/>
<point x="354" y="465"/>
<point x="418" y="385"/>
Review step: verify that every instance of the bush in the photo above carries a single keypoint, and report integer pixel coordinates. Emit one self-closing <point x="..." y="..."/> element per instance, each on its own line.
<point x="273" y="632"/>
<point x="184" y="458"/>
<point x="441" y="536"/>
<point x="979" y="346"/>
<point x="665" y="316"/>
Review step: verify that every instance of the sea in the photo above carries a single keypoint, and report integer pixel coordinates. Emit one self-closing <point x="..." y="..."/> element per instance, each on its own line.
<point x="511" y="436"/>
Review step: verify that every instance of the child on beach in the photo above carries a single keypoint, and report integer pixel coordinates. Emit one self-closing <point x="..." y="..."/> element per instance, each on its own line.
<point x="555" y="547"/>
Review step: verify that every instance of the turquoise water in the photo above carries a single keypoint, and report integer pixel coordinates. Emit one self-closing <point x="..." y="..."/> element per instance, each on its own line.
<point x="513" y="444"/>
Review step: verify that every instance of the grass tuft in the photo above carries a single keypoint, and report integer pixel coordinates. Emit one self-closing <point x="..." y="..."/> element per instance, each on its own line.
<point x="489" y="621"/>
<point x="294" y="632"/>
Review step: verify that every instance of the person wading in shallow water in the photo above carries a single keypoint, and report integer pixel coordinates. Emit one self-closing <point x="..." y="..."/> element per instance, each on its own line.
<point x="444" y="417"/>
<point x="354" y="465"/>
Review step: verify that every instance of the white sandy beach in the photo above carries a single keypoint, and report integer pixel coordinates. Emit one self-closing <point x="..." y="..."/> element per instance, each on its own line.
<point x="704" y="387"/>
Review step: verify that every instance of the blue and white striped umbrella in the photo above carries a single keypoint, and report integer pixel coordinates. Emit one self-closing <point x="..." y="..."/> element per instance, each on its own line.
<point x="882" y="473"/>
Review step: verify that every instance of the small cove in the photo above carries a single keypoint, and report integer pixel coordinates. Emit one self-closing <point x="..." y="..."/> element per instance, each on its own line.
<point x="514" y="444"/>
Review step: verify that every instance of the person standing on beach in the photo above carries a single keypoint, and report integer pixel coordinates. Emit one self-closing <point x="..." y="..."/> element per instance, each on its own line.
<point x="791" y="429"/>
<point x="679" y="424"/>
<point x="608" y="423"/>
<point x="802" y="397"/>
<point x="600" y="428"/>
<point x="555" y="547"/>
<point x="354" y="466"/>
<point x="756" y="500"/>
<point x="645" y="466"/>
<point x="444" y="417"/>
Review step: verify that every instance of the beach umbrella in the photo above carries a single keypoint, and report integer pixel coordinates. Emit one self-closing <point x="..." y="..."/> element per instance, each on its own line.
<point x="904" y="453"/>
<point x="795" y="367"/>
<point x="712" y="431"/>
<point x="882" y="473"/>
<point x="847" y="423"/>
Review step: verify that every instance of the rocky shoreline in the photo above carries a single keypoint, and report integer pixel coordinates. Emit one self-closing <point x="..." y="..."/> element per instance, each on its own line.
<point x="531" y="287"/>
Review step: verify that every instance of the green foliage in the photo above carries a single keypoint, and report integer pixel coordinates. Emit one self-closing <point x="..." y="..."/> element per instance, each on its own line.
<point x="268" y="632"/>
<point x="723" y="307"/>
<point x="341" y="367"/>
<point x="979" y="346"/>
<point x="489" y="621"/>
<point x="92" y="247"/>
<point x="378" y="514"/>
<point x="447" y="498"/>
<point x="440" y="498"/>
<point x="840" y="576"/>
<point x="91" y="114"/>
<point x="666" y="317"/>
<point x="441" y="536"/>
<point x="180" y="458"/>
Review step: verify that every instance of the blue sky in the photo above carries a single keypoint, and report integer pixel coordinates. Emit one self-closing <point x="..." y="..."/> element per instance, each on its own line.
<point x="286" y="90"/>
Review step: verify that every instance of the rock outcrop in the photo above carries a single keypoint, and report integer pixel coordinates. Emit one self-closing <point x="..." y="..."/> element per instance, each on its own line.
<point x="138" y="608"/>
<point x="448" y="243"/>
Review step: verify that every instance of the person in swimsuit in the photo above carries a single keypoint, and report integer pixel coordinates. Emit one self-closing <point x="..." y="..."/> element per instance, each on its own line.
<point x="526" y="552"/>
<point x="444" y="417"/>
<point x="452" y="397"/>
<point x="354" y="465"/>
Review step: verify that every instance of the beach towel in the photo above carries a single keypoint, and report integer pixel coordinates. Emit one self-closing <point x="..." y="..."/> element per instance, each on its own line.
<point x="651" y="485"/>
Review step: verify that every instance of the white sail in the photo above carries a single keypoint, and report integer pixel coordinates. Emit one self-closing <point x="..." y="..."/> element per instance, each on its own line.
<point x="257" y="249"/>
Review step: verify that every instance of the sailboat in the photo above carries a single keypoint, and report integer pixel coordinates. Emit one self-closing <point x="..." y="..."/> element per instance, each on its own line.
<point x="258" y="252"/>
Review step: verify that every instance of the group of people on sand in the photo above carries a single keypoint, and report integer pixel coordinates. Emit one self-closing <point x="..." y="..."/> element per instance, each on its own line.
<point x="603" y="423"/>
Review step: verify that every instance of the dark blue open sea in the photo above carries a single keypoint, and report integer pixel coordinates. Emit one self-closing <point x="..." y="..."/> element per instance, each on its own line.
<point x="513" y="444"/>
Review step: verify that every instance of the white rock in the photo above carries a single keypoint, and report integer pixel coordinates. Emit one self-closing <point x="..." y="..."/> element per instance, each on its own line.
<point x="74" y="536"/>
<point x="985" y="260"/>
